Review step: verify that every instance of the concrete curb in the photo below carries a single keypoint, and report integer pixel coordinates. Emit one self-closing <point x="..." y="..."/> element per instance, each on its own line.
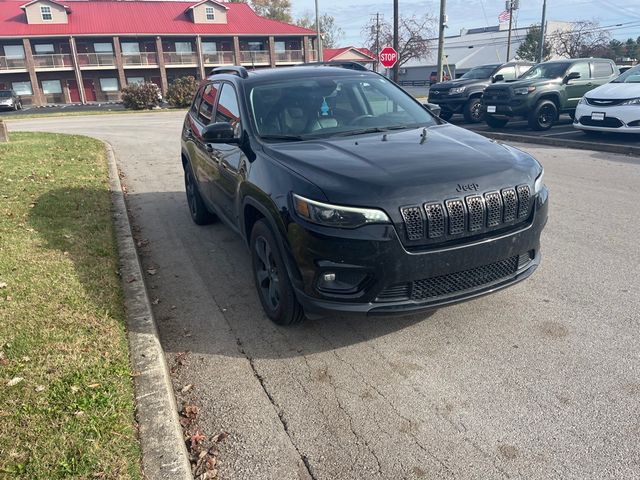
<point x="164" y="454"/>
<point x="556" y="142"/>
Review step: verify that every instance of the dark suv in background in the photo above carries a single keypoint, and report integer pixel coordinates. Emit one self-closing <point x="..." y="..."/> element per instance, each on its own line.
<point x="354" y="198"/>
<point x="463" y="94"/>
<point x="546" y="91"/>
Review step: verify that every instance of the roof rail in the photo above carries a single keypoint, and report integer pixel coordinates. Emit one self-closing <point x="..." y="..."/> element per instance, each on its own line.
<point x="347" y="65"/>
<point x="240" y="71"/>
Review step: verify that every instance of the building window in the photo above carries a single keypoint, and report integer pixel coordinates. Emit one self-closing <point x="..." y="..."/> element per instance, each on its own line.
<point x="129" y="48"/>
<point x="210" y="13"/>
<point x="135" y="80"/>
<point x="183" y="47"/>
<point x="45" y="11"/>
<point x="280" y="47"/>
<point x="43" y="48"/>
<point x="22" y="88"/>
<point x="103" y="47"/>
<point x="209" y="47"/>
<point x="255" y="46"/>
<point x="51" y="86"/>
<point x="109" y="84"/>
<point x="14" y="52"/>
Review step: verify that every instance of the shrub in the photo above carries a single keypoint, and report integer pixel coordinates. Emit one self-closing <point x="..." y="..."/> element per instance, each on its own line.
<point x="181" y="91"/>
<point x="138" y="96"/>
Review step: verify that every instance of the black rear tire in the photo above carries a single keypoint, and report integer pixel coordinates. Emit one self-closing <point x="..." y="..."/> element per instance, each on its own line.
<point x="472" y="111"/>
<point x="495" y="122"/>
<point x="198" y="210"/>
<point x="446" y="115"/>
<point x="543" y="116"/>
<point x="271" y="278"/>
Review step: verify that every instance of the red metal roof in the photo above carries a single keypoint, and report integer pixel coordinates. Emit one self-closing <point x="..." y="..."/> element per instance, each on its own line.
<point x="90" y="17"/>
<point x="329" y="53"/>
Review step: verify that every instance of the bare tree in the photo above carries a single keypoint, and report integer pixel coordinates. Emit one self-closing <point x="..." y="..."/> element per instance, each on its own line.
<point x="413" y="36"/>
<point x="583" y="39"/>
<point x="331" y="33"/>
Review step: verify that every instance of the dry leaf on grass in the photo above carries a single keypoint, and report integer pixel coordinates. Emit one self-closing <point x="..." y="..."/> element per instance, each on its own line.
<point x="14" y="381"/>
<point x="3" y="285"/>
<point x="186" y="388"/>
<point x="152" y="271"/>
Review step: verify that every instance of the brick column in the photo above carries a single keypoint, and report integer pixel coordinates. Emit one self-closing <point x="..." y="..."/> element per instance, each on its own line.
<point x="76" y="70"/>
<point x="163" y="71"/>
<point x="272" y="51"/>
<point x="200" y="58"/>
<point x="31" y="68"/>
<point x="236" y="50"/>
<point x="306" y="49"/>
<point x="117" y="50"/>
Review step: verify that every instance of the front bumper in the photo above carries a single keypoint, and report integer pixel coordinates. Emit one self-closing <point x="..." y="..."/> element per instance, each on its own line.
<point x="515" y="108"/>
<point x="619" y="119"/>
<point x="452" y="104"/>
<point x="376" y="254"/>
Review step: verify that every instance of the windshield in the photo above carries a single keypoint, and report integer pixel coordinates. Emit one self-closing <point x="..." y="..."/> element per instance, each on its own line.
<point x="478" y="73"/>
<point x="322" y="107"/>
<point x="630" y="76"/>
<point x="5" y="93"/>
<point x="546" y="70"/>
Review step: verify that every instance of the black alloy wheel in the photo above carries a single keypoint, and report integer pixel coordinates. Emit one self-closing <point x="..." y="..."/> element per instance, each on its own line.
<point x="473" y="111"/>
<point x="543" y="116"/>
<point x="198" y="210"/>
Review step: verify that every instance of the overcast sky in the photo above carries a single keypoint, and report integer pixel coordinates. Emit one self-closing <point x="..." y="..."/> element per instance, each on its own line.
<point x="351" y="15"/>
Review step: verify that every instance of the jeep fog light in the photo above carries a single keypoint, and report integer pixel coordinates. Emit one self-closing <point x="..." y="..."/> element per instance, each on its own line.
<point x="340" y="282"/>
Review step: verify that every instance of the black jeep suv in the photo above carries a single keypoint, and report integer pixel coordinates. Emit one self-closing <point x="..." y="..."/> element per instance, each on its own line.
<point x="463" y="94"/>
<point x="353" y="197"/>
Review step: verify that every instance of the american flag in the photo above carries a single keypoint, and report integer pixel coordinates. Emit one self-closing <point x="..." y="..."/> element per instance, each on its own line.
<point x="504" y="16"/>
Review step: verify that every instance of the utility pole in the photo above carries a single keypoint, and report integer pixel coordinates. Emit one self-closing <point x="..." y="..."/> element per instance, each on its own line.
<point x="319" y="33"/>
<point x="510" y="2"/>
<point x="395" y="37"/>
<point x="543" y="29"/>
<point x="378" y="42"/>
<point x="441" y="27"/>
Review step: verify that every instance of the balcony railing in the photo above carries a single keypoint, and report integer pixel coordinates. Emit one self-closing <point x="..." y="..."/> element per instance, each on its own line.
<point x="8" y="63"/>
<point x="53" y="60"/>
<point x="96" y="59"/>
<point x="289" y="56"/>
<point x="146" y="58"/>
<point x="254" y="56"/>
<point x="218" y="58"/>
<point x="179" y="58"/>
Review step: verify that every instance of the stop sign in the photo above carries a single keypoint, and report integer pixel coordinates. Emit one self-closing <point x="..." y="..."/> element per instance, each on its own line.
<point x="388" y="57"/>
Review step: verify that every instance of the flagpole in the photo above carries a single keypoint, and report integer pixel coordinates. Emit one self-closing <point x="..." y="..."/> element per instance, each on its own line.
<point x="510" y="24"/>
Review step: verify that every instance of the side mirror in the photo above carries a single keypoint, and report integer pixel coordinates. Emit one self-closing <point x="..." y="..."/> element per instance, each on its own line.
<point x="219" y="132"/>
<point x="497" y="78"/>
<point x="571" y="76"/>
<point x="433" y="108"/>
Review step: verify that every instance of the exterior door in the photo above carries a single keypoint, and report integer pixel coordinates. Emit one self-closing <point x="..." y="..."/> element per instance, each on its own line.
<point x="575" y="89"/>
<point x="74" y="93"/>
<point x="89" y="90"/>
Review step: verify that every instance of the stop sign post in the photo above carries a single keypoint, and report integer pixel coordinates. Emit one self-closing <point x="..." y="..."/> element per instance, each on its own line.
<point x="388" y="57"/>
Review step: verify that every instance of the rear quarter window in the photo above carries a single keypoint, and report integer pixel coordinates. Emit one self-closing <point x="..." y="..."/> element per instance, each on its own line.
<point x="602" y="69"/>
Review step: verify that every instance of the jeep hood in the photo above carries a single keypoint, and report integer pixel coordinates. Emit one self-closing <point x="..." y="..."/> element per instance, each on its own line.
<point x="400" y="168"/>
<point x="537" y="82"/>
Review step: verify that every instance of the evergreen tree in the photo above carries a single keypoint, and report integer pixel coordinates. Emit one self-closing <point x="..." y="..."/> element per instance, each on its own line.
<point x="529" y="49"/>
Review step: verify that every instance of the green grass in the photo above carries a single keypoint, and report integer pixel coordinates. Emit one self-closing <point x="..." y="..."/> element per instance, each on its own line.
<point x="76" y="113"/>
<point x="61" y="316"/>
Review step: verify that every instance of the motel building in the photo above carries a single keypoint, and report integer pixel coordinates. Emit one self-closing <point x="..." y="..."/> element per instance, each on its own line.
<point x="84" y="51"/>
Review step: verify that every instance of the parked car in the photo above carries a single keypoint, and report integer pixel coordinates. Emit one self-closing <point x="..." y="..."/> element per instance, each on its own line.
<point x="433" y="78"/>
<point x="623" y="68"/>
<point x="353" y="197"/>
<point x="463" y="94"/>
<point x="614" y="107"/>
<point x="545" y="91"/>
<point x="10" y="99"/>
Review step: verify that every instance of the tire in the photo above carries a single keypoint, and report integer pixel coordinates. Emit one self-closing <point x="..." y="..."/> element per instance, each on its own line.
<point x="198" y="210"/>
<point x="271" y="278"/>
<point x="472" y="111"/>
<point x="15" y="107"/>
<point x="543" y="116"/>
<point x="495" y="122"/>
<point x="446" y="115"/>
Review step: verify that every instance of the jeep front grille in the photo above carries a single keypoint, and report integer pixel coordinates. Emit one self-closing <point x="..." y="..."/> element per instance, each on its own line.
<point x="459" y="217"/>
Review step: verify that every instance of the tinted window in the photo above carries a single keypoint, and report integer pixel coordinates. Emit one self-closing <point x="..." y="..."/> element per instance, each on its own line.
<point x="509" y="73"/>
<point x="602" y="69"/>
<point x="547" y="70"/>
<point x="582" y="68"/>
<point x="205" y="111"/>
<point x="228" y="109"/>
<point x="196" y="100"/>
<point x="479" y="73"/>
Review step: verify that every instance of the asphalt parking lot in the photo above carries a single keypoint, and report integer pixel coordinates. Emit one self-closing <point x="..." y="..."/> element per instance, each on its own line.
<point x="539" y="381"/>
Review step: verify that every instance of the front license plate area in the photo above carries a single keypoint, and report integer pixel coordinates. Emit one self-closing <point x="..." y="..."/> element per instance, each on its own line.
<point x="491" y="109"/>
<point x="597" y="116"/>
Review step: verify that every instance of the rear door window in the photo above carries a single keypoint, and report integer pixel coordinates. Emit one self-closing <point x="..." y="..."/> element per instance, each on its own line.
<point x="602" y="69"/>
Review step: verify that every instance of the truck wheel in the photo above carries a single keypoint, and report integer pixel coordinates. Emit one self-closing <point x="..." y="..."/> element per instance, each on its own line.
<point x="271" y="278"/>
<point x="543" y="116"/>
<point x="199" y="212"/>
<point x="472" y="111"/>
<point x="495" y="122"/>
<point x="446" y="115"/>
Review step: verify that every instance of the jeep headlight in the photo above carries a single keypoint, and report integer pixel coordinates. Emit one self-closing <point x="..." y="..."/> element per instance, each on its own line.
<point x="537" y="187"/>
<point x="457" y="90"/>
<point x="335" y="215"/>
<point x="631" y="101"/>
<point x="524" y="90"/>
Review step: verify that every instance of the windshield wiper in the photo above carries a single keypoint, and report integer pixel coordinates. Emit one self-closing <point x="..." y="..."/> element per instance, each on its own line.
<point x="372" y="130"/>
<point x="288" y="138"/>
